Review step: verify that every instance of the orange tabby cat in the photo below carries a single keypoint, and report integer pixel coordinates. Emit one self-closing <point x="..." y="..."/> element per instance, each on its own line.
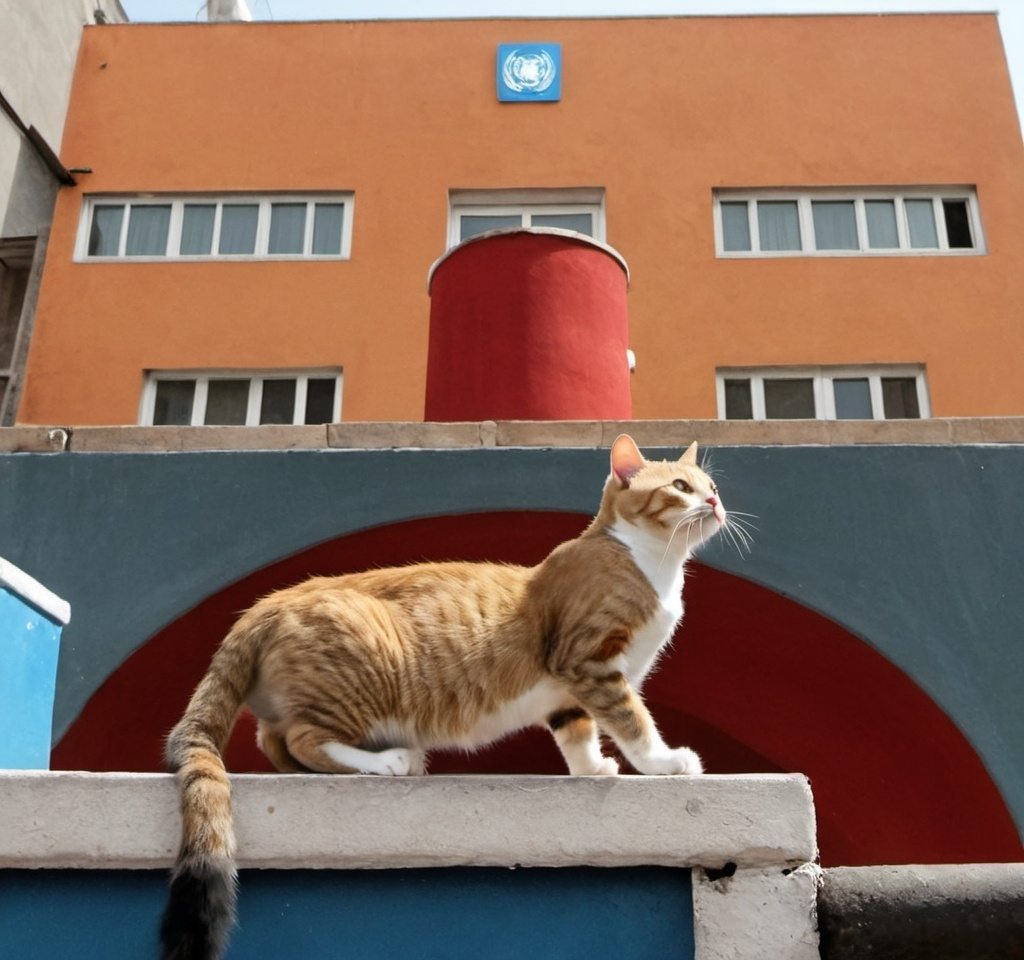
<point x="368" y="672"/>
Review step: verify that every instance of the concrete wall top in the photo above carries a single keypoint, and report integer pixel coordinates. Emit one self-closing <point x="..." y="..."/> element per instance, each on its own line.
<point x="489" y="433"/>
<point x="61" y="820"/>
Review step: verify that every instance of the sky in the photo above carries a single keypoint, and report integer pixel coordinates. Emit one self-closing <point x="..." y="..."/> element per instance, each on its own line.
<point x="1011" y="13"/>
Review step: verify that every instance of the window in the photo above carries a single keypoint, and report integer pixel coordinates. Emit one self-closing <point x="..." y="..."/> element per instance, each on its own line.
<point x="853" y="222"/>
<point x="189" y="398"/>
<point x="822" y="393"/>
<point x="472" y="212"/>
<point x="197" y="228"/>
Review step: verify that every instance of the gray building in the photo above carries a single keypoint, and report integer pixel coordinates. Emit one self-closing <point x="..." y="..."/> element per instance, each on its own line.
<point x="38" y="48"/>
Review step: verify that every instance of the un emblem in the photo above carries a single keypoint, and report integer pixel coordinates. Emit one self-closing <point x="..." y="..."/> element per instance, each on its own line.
<point x="529" y="71"/>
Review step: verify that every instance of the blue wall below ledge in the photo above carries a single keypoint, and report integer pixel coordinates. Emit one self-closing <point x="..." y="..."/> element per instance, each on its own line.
<point x="645" y="913"/>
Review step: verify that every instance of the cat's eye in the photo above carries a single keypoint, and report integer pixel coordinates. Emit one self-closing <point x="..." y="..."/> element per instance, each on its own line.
<point x="682" y="485"/>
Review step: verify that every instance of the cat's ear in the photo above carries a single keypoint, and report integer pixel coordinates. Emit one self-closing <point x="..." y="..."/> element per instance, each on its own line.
<point x="690" y="457"/>
<point x="627" y="460"/>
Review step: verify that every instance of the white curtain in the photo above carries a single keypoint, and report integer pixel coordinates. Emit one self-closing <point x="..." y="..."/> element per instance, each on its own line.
<point x="921" y="222"/>
<point x="197" y="229"/>
<point x="287" y="228"/>
<point x="779" y="224"/>
<point x="105" y="234"/>
<point x="238" y="228"/>
<point x="147" y="230"/>
<point x="327" y="224"/>
<point x="473" y="224"/>
<point x="835" y="225"/>
<point x="735" y="226"/>
<point x="881" y="217"/>
<point x="580" y="222"/>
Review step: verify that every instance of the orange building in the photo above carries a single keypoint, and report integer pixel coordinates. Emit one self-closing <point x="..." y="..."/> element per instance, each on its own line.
<point x="820" y="215"/>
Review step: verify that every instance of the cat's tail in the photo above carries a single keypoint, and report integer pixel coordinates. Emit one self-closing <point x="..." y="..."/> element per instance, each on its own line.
<point x="201" y="906"/>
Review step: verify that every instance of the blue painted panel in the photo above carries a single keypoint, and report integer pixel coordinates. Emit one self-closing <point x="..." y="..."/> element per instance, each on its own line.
<point x="529" y="71"/>
<point x="644" y="913"/>
<point x="29" y="643"/>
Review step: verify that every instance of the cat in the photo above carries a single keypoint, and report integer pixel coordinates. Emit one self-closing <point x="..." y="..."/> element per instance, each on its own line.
<point x="367" y="672"/>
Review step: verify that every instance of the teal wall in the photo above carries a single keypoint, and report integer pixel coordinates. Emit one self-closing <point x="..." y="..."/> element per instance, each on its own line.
<point x="915" y="549"/>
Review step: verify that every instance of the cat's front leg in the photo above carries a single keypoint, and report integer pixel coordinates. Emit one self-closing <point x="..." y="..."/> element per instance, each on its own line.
<point x="577" y="737"/>
<point x="611" y="700"/>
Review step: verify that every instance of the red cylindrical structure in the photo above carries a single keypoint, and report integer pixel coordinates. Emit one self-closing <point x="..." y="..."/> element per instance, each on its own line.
<point x="528" y="324"/>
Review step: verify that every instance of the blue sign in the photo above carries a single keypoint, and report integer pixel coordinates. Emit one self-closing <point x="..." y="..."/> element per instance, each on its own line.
<point x="529" y="71"/>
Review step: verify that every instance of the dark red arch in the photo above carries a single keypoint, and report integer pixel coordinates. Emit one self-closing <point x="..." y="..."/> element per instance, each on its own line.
<point x="756" y="683"/>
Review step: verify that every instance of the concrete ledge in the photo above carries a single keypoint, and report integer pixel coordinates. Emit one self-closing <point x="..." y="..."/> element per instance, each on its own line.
<point x="401" y="435"/>
<point x="102" y="820"/>
<point x="181" y="439"/>
<point x="34" y="439"/>
<point x="488" y="433"/>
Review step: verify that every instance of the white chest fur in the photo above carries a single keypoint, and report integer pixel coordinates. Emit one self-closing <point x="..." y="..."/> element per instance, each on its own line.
<point x="665" y="570"/>
<point x="532" y="706"/>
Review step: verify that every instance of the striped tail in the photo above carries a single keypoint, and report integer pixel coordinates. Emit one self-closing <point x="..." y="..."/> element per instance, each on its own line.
<point x="201" y="906"/>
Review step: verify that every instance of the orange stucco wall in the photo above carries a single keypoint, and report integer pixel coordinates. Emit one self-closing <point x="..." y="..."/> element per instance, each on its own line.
<point x="657" y="111"/>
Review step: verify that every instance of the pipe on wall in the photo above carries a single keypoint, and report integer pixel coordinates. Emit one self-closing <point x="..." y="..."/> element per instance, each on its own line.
<point x="944" y="912"/>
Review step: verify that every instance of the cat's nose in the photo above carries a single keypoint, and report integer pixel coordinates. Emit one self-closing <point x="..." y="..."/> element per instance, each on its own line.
<point x="716" y="508"/>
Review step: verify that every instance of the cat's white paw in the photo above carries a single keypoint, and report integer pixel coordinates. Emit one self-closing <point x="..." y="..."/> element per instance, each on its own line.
<point x="401" y="762"/>
<point x="681" y="760"/>
<point x="603" y="767"/>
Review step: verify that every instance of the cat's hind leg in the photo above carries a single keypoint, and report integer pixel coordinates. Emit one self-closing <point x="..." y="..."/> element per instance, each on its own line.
<point x="320" y="750"/>
<point x="577" y="737"/>
<point x="272" y="744"/>
<point x="394" y="762"/>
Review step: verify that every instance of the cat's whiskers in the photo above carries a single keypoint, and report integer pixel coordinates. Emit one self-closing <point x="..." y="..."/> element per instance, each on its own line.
<point x="672" y="536"/>
<point x="735" y="528"/>
<point x="696" y="514"/>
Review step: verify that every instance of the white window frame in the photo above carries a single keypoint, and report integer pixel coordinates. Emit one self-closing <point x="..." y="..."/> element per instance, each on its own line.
<point x="858" y="195"/>
<point x="256" y="378"/>
<point x="177" y="203"/>
<point x="822" y="377"/>
<point x="527" y="203"/>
